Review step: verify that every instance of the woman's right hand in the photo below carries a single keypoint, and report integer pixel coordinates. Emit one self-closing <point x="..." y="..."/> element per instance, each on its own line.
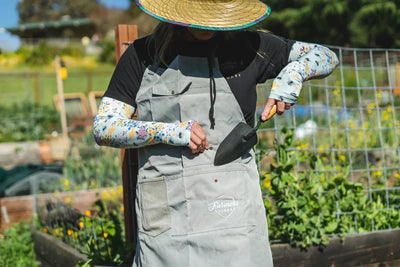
<point x="198" y="139"/>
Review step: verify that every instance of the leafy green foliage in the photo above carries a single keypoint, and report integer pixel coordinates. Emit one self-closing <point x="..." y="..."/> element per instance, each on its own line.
<point x="99" y="233"/>
<point x="107" y="54"/>
<point x="27" y="121"/>
<point x="366" y="23"/>
<point x="44" y="10"/>
<point x="16" y="247"/>
<point x="112" y="249"/>
<point x="307" y="206"/>
<point x="44" y="54"/>
<point x="90" y="166"/>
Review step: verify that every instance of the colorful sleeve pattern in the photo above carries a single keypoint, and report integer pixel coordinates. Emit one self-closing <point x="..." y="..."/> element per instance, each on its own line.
<point x="114" y="127"/>
<point x="306" y="61"/>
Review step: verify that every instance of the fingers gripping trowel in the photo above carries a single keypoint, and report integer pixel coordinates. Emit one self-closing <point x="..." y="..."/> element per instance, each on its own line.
<point x="242" y="138"/>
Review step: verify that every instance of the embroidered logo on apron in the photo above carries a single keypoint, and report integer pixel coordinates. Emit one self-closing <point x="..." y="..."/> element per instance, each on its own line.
<point x="223" y="206"/>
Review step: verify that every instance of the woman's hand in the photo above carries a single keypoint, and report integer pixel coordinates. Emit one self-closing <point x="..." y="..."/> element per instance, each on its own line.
<point x="198" y="139"/>
<point x="280" y="107"/>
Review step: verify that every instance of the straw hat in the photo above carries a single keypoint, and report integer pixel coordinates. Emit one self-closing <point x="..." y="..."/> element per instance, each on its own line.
<point x="220" y="15"/>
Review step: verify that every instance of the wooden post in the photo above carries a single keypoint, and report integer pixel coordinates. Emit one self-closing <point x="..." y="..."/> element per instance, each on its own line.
<point x="36" y="89"/>
<point x="89" y="77"/>
<point x="124" y="34"/>
<point x="396" y="89"/>
<point x="61" y="104"/>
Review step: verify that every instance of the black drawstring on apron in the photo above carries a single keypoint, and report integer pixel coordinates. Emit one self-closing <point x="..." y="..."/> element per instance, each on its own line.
<point x="213" y="91"/>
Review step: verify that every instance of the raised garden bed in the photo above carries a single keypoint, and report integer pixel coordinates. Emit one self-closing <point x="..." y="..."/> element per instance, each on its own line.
<point x="376" y="249"/>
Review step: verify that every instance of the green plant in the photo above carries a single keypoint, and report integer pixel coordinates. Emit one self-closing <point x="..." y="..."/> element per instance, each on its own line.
<point x="307" y="206"/>
<point x="27" y="121"/>
<point x="107" y="51"/>
<point x="99" y="233"/>
<point x="107" y="224"/>
<point x="16" y="247"/>
<point x="90" y="166"/>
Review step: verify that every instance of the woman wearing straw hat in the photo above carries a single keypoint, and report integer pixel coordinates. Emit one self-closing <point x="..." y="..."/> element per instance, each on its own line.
<point x="191" y="82"/>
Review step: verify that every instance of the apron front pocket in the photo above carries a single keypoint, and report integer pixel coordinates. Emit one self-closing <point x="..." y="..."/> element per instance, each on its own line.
<point x="155" y="214"/>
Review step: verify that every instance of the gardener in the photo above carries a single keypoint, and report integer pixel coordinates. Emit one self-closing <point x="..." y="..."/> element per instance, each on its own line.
<point x="191" y="81"/>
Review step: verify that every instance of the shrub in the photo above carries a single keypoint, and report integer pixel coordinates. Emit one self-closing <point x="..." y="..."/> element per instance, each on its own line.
<point x="17" y="248"/>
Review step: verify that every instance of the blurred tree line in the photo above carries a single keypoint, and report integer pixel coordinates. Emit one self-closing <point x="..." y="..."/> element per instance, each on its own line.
<point x="356" y="23"/>
<point x="47" y="10"/>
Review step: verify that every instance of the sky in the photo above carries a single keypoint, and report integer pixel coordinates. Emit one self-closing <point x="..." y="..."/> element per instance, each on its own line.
<point x="9" y="18"/>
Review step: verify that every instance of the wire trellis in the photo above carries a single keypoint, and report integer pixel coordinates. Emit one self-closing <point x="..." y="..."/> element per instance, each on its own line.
<point x="353" y="114"/>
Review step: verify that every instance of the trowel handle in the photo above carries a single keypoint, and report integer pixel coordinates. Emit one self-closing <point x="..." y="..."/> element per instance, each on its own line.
<point x="271" y="113"/>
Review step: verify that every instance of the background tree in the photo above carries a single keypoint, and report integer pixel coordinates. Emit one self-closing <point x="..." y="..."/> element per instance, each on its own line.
<point x="360" y="23"/>
<point x="45" y="10"/>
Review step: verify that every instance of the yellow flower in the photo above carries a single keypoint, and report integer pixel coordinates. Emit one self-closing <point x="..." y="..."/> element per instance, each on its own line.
<point x="342" y="158"/>
<point x="45" y="230"/>
<point x="105" y="235"/>
<point x="88" y="213"/>
<point x="82" y="225"/>
<point x="377" y="173"/>
<point x="397" y="175"/>
<point x="122" y="209"/>
<point x="69" y="232"/>
<point x="336" y="92"/>
<point x="106" y="195"/>
<point x="76" y="234"/>
<point x="67" y="200"/>
<point x="113" y="193"/>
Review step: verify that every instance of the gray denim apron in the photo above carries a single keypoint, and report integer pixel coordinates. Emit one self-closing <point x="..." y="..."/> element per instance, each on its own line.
<point x="190" y="212"/>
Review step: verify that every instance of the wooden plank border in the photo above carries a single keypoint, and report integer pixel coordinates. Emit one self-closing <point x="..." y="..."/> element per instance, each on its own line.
<point x="126" y="34"/>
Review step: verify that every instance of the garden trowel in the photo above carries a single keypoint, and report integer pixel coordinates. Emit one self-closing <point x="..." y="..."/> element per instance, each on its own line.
<point x="242" y="138"/>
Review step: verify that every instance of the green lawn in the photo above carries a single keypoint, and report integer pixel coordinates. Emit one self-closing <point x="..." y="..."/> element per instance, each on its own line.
<point x="17" y="85"/>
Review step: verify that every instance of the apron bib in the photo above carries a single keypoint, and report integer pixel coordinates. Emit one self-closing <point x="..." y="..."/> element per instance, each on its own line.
<point x="190" y="212"/>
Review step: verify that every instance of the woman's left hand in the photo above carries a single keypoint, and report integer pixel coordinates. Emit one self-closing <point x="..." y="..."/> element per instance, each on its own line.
<point x="280" y="107"/>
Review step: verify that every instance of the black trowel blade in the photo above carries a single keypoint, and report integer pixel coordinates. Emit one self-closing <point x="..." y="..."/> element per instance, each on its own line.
<point x="238" y="142"/>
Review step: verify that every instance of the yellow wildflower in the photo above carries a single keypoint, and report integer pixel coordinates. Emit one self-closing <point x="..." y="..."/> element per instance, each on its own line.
<point x="69" y="232"/>
<point x="106" y="195"/>
<point x="88" y="213"/>
<point x="45" y="230"/>
<point x="67" y="200"/>
<point x="82" y="225"/>
<point x="105" y="235"/>
<point x="113" y="193"/>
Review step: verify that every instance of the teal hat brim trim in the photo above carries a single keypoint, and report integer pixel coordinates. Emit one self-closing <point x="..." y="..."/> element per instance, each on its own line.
<point x="206" y="27"/>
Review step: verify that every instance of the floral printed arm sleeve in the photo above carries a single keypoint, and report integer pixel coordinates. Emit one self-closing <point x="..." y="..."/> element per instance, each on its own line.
<point x="306" y="61"/>
<point x="114" y="127"/>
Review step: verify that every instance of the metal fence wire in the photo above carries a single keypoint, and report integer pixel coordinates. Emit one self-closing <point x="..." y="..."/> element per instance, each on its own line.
<point x="351" y="115"/>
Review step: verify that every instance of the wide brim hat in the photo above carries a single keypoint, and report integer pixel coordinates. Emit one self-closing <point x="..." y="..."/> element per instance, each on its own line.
<point x="220" y="15"/>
